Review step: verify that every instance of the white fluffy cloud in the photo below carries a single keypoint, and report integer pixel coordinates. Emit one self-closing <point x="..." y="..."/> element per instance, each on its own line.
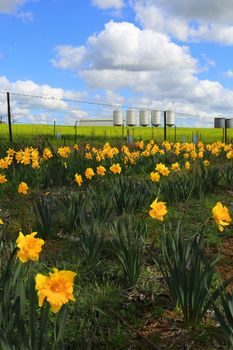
<point x="122" y="55"/>
<point x="153" y="69"/>
<point x="24" y="16"/>
<point x="229" y="73"/>
<point x="196" y="20"/>
<point x="108" y="4"/>
<point x="69" y="57"/>
<point x="9" y="6"/>
<point x="123" y="46"/>
<point x="213" y="10"/>
<point x="39" y="110"/>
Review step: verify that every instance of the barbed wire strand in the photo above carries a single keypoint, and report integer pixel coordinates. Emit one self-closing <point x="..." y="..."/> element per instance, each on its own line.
<point x="84" y="102"/>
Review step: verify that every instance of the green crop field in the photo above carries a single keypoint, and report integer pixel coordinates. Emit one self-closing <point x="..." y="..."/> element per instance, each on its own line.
<point x="66" y="134"/>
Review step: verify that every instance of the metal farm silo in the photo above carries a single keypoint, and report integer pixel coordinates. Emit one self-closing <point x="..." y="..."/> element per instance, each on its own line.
<point x="143" y="117"/>
<point x="170" y="115"/>
<point x="229" y="123"/>
<point x="156" y="117"/>
<point x="117" y="118"/>
<point x="130" y="117"/>
<point x="219" y="123"/>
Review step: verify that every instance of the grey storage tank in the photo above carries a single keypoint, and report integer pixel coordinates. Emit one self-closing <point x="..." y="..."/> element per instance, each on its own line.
<point x="143" y="117"/>
<point x="117" y="118"/>
<point x="156" y="117"/>
<point x="130" y="117"/>
<point x="170" y="115"/>
<point x="219" y="123"/>
<point x="229" y="123"/>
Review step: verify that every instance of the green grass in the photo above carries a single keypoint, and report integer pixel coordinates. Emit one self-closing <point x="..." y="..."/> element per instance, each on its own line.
<point x="103" y="306"/>
<point x="107" y="314"/>
<point x="66" y="134"/>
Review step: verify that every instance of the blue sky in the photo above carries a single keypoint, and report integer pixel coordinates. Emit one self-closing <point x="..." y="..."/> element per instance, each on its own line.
<point x="148" y="53"/>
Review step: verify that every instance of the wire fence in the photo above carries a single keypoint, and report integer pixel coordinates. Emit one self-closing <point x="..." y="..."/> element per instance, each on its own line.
<point x="59" y="120"/>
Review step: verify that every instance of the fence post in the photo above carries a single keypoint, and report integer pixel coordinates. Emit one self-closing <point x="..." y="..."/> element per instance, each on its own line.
<point x="165" y="126"/>
<point x="225" y="132"/>
<point x="54" y="128"/>
<point x="9" y="115"/>
<point x="75" y="131"/>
